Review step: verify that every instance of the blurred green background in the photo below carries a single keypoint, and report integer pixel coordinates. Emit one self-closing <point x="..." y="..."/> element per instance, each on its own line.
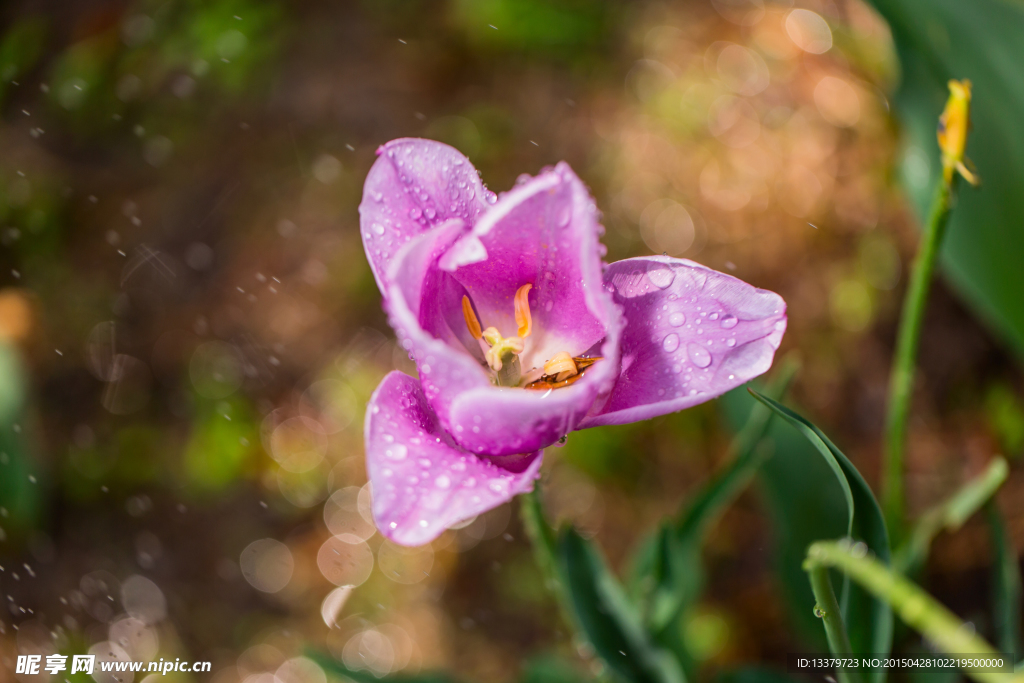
<point x="189" y="330"/>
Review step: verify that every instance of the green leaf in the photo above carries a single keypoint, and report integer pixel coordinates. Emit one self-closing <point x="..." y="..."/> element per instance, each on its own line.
<point x="667" y="573"/>
<point x="607" y="619"/>
<point x="868" y="620"/>
<point x="950" y="515"/>
<point x="1006" y="583"/>
<point x="804" y="503"/>
<point x="937" y="40"/>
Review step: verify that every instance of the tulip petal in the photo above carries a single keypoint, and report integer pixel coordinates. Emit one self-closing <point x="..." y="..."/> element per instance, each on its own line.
<point x="691" y="334"/>
<point x="414" y="186"/>
<point x="425" y="307"/>
<point x="422" y="481"/>
<point x="542" y="233"/>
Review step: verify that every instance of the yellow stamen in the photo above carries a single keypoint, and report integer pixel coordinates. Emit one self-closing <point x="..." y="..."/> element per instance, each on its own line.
<point x="562" y="366"/>
<point x="471" y="320"/>
<point x="523" y="318"/>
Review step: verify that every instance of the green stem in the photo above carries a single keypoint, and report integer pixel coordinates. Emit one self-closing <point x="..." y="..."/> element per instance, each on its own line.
<point x="545" y="547"/>
<point x="827" y="608"/>
<point x="902" y="379"/>
<point x="919" y="610"/>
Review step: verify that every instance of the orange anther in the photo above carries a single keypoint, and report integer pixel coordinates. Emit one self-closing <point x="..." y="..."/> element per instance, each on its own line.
<point x="471" y="320"/>
<point x="561" y="367"/>
<point x="523" y="318"/>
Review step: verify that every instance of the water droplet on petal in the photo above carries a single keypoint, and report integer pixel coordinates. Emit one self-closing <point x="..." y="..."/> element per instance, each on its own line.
<point x="730" y="342"/>
<point x="377" y="228"/>
<point x="729" y="322"/>
<point x="699" y="355"/>
<point x="396" y="452"/>
<point x="671" y="343"/>
<point x="564" y="215"/>
<point x="442" y="482"/>
<point x="677" y="319"/>
<point x="661" y="277"/>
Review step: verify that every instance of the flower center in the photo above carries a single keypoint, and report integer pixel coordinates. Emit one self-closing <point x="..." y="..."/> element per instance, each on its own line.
<point x="502" y="353"/>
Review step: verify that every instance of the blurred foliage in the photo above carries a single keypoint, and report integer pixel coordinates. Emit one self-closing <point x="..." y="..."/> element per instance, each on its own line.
<point x="178" y="231"/>
<point x="1005" y="412"/>
<point x="221" y="445"/>
<point x="566" y="28"/>
<point x="938" y="41"/>
<point x="21" y="497"/>
<point x="20" y="47"/>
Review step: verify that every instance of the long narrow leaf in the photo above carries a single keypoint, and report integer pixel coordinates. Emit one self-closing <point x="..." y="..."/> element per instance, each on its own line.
<point x="868" y="621"/>
<point x="607" y="619"/>
<point x="950" y="514"/>
<point x="667" y="570"/>
<point x="1006" y="593"/>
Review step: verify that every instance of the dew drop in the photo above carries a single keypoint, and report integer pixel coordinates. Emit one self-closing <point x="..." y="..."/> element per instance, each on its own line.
<point x="564" y="215"/>
<point x="730" y="342"/>
<point x="397" y="452"/>
<point x="699" y="355"/>
<point x="442" y="482"/>
<point x="677" y="319"/>
<point x="377" y="228"/>
<point x="671" y="343"/>
<point x="661" y="277"/>
<point x="729" y="322"/>
<point x="415" y="213"/>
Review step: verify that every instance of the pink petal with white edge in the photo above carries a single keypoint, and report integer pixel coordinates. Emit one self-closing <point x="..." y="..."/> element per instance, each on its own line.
<point x="422" y="481"/>
<point x="691" y="334"/>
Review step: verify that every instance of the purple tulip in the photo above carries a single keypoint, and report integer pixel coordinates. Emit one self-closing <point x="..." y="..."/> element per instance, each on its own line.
<point x="521" y="334"/>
